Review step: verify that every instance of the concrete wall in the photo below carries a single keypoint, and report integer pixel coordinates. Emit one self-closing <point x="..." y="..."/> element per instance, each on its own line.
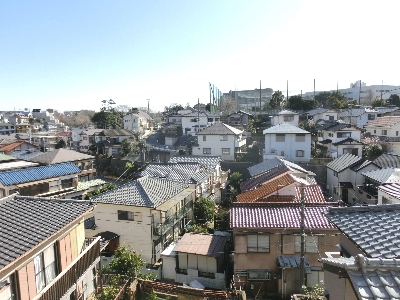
<point x="216" y="283"/>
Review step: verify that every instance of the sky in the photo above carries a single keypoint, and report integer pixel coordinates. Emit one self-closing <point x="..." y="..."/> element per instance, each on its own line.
<point x="71" y="55"/>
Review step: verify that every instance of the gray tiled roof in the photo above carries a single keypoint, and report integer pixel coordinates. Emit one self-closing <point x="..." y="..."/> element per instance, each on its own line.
<point x="347" y="141"/>
<point x="388" y="175"/>
<point x="220" y="129"/>
<point x="116" y="132"/>
<point x="27" y="221"/>
<point x="187" y="172"/>
<point x="59" y="156"/>
<point x="343" y="162"/>
<point x="269" y="164"/>
<point x="332" y="125"/>
<point x="284" y="128"/>
<point x="374" y="229"/>
<point x="145" y="191"/>
<point x="362" y="164"/>
<point x="315" y="111"/>
<point x="355" y="112"/>
<point x="370" y="278"/>
<point x="210" y="161"/>
<point x="393" y="189"/>
<point x="388" y="161"/>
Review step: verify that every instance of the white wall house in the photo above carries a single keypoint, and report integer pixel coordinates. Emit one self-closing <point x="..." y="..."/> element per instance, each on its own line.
<point x="345" y="179"/>
<point x="194" y="122"/>
<point x="340" y="138"/>
<point x="147" y="213"/>
<point x="84" y="138"/>
<point x="322" y="114"/>
<point x="219" y="140"/>
<point x="388" y="130"/>
<point x="288" y="141"/>
<point x="137" y="122"/>
<point x="285" y="116"/>
<point x="358" y="116"/>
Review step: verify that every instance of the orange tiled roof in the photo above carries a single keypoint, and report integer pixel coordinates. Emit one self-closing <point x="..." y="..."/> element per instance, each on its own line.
<point x="266" y="189"/>
<point x="312" y="194"/>
<point x="384" y="121"/>
<point x="14" y="145"/>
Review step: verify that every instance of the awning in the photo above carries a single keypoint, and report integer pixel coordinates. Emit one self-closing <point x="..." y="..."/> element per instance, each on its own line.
<point x="287" y="262"/>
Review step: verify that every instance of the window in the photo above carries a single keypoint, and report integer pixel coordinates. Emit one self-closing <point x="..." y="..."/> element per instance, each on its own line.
<point x="280" y="137"/>
<point x="374" y="130"/>
<point x="288" y="118"/>
<point x="397" y="133"/>
<point x="257" y="243"/>
<point x="353" y="151"/>
<point x="384" y="132"/>
<point x="311" y="244"/>
<point x="126" y="215"/>
<point x="204" y="138"/>
<point x="299" y="153"/>
<point x="206" y="150"/>
<point x="207" y="274"/>
<point x="209" y="119"/>
<point x="343" y="134"/>
<point x="224" y="137"/>
<point x="226" y="151"/>
<point x="45" y="268"/>
<point x="331" y="118"/>
<point x="300" y="137"/>
<point x="335" y="173"/>
<point x="259" y="275"/>
<point x="371" y="117"/>
<point x="85" y="138"/>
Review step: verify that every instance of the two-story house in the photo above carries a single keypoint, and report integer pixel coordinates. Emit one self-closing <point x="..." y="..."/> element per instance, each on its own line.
<point x="239" y="117"/>
<point x="194" y="122"/>
<point x="43" y="251"/>
<point x="367" y="266"/>
<point x="288" y="141"/>
<point x="358" y="116"/>
<point x="387" y="129"/>
<point x="84" y="139"/>
<point x="285" y="116"/>
<point x="18" y="146"/>
<point x="322" y="114"/>
<point x="345" y="178"/>
<point x="147" y="214"/>
<point x="108" y="141"/>
<point x="267" y="244"/>
<point x="221" y="140"/>
<point x="7" y="128"/>
<point x="35" y="181"/>
<point x="339" y="138"/>
<point x="137" y="122"/>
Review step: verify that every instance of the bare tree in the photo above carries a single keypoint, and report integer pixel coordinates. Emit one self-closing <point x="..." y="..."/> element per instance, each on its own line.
<point x="368" y="97"/>
<point x="228" y="105"/>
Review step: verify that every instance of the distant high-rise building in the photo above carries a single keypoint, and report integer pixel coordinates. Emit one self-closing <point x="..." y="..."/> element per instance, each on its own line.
<point x="247" y="99"/>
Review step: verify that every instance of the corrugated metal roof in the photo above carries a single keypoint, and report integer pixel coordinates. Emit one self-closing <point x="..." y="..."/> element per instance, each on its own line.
<point x="392" y="189"/>
<point x="347" y="141"/>
<point x="285" y="128"/>
<point x="355" y="112"/>
<point x="201" y="244"/>
<point x="211" y="161"/>
<point x="343" y="162"/>
<point x="27" y="221"/>
<point x="37" y="173"/>
<point x="388" y="175"/>
<point x="266" y="215"/>
<point x="374" y="229"/>
<point x="388" y="161"/>
<point x="316" y="111"/>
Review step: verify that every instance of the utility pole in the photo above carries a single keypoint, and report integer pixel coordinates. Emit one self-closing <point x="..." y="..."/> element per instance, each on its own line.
<point x="314" y="92"/>
<point x="302" y="245"/>
<point x="148" y="105"/>
<point x="260" y="97"/>
<point x="359" y="95"/>
<point x="198" y="114"/>
<point x="287" y="91"/>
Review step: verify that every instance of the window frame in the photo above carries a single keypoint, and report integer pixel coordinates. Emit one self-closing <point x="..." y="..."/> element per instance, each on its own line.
<point x="258" y="248"/>
<point x="206" y="150"/>
<point x="311" y="240"/>
<point x="384" y="132"/>
<point x="299" y="153"/>
<point x="225" y="152"/>
<point x="125" y="215"/>
<point x="280" y="137"/>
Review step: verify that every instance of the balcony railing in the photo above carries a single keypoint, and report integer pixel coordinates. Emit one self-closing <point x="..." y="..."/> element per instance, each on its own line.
<point x="162" y="228"/>
<point x="68" y="278"/>
<point x="367" y="194"/>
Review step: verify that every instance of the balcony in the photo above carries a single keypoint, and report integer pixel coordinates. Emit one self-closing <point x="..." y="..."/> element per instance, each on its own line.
<point x="162" y="228"/>
<point x="74" y="273"/>
<point x="367" y="194"/>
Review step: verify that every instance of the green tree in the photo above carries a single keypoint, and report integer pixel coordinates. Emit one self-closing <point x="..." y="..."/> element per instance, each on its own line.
<point x="174" y="107"/>
<point x="108" y="118"/>
<point x="298" y="103"/>
<point x="126" y="262"/>
<point x="378" y="102"/>
<point x="195" y="228"/>
<point x="335" y="103"/>
<point x="322" y="98"/>
<point x="394" y="99"/>
<point x="60" y="144"/>
<point x="127" y="146"/>
<point x="374" y="150"/>
<point x="204" y="210"/>
<point x="277" y="100"/>
<point x="235" y="179"/>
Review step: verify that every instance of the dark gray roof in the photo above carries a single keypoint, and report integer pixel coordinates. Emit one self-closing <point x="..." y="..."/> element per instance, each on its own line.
<point x="220" y="129"/>
<point x="315" y="111"/>
<point x="269" y="164"/>
<point x="25" y="222"/>
<point x="374" y="229"/>
<point x="332" y="125"/>
<point x="388" y="161"/>
<point x="343" y="162"/>
<point x="388" y="175"/>
<point x="371" y="278"/>
<point x="284" y="128"/>
<point x="59" y="156"/>
<point x="347" y="141"/>
<point x="115" y="132"/>
<point x="210" y="161"/>
<point x="355" y="112"/>
<point x="145" y="191"/>
<point x="361" y="165"/>
<point x="186" y="172"/>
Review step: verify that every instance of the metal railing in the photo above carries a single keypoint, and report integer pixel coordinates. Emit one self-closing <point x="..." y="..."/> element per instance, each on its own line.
<point x="162" y="228"/>
<point x="68" y="278"/>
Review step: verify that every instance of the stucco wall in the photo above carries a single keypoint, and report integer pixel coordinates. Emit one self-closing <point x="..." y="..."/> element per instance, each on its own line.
<point x="216" y="283"/>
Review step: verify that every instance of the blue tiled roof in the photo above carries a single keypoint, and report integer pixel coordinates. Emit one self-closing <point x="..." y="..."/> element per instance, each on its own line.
<point x="37" y="173"/>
